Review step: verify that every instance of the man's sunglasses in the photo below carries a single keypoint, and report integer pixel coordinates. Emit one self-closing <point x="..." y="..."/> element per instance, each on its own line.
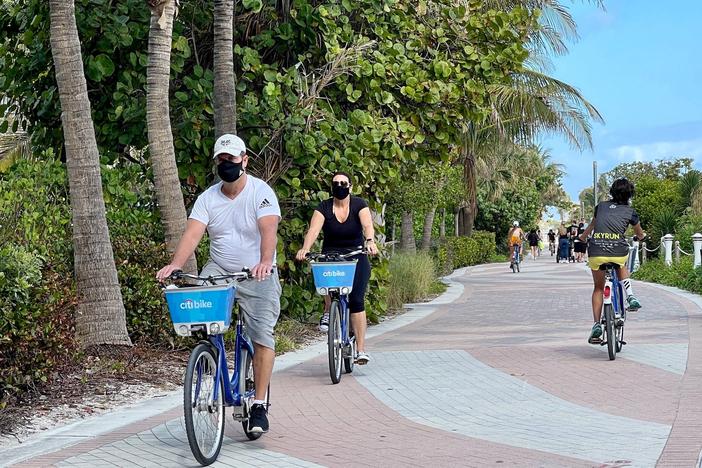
<point x="340" y="183"/>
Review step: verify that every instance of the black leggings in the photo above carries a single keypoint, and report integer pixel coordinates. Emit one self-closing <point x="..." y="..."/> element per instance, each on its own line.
<point x="360" y="284"/>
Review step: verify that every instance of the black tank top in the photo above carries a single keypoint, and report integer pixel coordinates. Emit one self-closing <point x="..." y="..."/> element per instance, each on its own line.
<point x="342" y="237"/>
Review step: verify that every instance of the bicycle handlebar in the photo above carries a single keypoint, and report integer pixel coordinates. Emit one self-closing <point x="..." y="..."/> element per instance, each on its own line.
<point x="244" y="275"/>
<point x="334" y="256"/>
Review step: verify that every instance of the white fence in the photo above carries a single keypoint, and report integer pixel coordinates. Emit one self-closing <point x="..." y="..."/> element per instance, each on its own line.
<point x="670" y="249"/>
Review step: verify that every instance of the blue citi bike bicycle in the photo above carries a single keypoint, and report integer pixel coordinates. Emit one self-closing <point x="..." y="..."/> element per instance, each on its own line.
<point x="613" y="311"/>
<point x="516" y="258"/>
<point x="206" y="312"/>
<point x="333" y="275"/>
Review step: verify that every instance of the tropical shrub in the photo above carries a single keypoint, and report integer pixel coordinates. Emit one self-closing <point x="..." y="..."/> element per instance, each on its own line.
<point x="457" y="252"/>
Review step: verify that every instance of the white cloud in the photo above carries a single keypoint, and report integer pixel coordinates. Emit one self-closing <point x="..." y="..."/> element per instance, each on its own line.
<point x="659" y="150"/>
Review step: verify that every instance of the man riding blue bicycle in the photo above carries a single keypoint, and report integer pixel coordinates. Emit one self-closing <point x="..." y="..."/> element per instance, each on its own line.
<point x="241" y="215"/>
<point x="608" y="245"/>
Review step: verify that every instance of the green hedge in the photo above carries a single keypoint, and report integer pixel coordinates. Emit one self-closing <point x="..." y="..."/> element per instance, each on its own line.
<point x="457" y="252"/>
<point x="679" y="274"/>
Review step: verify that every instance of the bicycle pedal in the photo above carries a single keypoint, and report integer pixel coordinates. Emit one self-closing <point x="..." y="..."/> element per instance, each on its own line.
<point x="623" y="343"/>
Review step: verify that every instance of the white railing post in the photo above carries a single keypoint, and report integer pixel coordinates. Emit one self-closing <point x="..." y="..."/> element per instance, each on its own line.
<point x="677" y="251"/>
<point x="668" y="243"/>
<point x="697" y="247"/>
<point x="643" y="253"/>
<point x="636" y="245"/>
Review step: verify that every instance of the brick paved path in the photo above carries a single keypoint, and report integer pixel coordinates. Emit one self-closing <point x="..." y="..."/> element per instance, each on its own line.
<point x="502" y="375"/>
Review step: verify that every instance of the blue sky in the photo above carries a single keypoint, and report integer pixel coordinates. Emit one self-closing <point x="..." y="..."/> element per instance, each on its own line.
<point x="639" y="63"/>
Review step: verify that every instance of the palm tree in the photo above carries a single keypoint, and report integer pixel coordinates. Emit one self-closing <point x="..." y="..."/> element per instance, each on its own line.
<point x="532" y="104"/>
<point x="100" y="316"/>
<point x="224" y="79"/>
<point x="158" y="124"/>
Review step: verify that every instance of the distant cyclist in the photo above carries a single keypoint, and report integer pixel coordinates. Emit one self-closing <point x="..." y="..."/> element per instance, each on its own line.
<point x="608" y="245"/>
<point x="347" y="224"/>
<point x="514" y="238"/>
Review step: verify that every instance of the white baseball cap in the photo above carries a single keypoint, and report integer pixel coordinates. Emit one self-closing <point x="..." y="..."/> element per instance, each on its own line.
<point x="229" y="144"/>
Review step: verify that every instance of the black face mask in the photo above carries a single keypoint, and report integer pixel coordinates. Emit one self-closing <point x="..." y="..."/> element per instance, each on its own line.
<point x="229" y="171"/>
<point x="340" y="192"/>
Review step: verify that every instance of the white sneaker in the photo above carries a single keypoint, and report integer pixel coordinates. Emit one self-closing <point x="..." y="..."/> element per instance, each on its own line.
<point x="362" y="358"/>
<point x="324" y="322"/>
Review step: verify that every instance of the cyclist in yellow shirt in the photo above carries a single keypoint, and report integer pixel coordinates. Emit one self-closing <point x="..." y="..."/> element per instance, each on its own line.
<point x="514" y="237"/>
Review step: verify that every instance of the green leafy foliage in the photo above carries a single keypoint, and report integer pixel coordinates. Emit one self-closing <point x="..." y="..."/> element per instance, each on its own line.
<point x="679" y="274"/>
<point x="457" y="252"/>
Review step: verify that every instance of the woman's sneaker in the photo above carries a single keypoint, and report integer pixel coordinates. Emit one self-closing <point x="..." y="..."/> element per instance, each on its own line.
<point x="633" y="303"/>
<point x="362" y="358"/>
<point x="324" y="322"/>
<point x="595" y="334"/>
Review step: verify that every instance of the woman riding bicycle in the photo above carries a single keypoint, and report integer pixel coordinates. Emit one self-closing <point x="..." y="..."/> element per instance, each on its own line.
<point x="346" y="221"/>
<point x="608" y="245"/>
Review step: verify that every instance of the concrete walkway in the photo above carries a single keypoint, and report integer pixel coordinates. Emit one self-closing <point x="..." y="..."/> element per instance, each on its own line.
<point x="496" y="372"/>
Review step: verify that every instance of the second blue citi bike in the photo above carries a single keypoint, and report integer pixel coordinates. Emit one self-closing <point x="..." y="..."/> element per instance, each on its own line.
<point x="206" y="312"/>
<point x="333" y="275"/>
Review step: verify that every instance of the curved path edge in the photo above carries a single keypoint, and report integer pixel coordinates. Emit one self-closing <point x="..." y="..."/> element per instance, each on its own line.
<point x="79" y="431"/>
<point x="685" y="438"/>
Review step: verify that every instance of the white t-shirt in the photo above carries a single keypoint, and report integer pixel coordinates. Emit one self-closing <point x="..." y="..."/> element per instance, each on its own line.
<point x="235" y="241"/>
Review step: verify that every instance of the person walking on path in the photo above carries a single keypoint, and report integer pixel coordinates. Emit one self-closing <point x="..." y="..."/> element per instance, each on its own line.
<point x="608" y="245"/>
<point x="533" y="239"/>
<point x="346" y="221"/>
<point x="241" y="215"/>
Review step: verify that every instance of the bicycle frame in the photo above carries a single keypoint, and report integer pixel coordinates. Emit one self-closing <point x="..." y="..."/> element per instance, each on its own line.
<point x="613" y="291"/>
<point x="344" y="311"/>
<point x="232" y="397"/>
<point x="517" y="252"/>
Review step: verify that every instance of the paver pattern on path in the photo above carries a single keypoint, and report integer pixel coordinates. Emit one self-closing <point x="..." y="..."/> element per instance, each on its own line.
<point x="502" y="375"/>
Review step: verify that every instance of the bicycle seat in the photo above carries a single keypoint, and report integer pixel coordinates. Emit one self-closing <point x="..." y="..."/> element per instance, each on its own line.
<point x="610" y="265"/>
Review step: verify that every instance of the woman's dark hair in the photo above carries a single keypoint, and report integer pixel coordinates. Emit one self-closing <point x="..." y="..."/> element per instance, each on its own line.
<point x="622" y="190"/>
<point x="345" y="174"/>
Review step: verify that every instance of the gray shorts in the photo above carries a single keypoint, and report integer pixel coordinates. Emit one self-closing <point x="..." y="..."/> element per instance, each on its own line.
<point x="259" y="301"/>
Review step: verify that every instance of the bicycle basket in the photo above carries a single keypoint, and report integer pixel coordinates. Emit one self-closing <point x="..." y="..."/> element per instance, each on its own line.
<point x="208" y="306"/>
<point x="333" y="275"/>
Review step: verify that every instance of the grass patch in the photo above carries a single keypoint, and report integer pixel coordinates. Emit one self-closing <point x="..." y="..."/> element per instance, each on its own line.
<point x="291" y="335"/>
<point x="437" y="288"/>
<point x="411" y="278"/>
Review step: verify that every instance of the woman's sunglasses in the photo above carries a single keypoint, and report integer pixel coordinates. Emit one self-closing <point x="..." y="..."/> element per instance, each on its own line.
<point x="340" y="183"/>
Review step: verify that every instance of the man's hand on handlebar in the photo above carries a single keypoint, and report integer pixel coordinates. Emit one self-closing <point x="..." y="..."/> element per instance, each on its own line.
<point x="166" y="271"/>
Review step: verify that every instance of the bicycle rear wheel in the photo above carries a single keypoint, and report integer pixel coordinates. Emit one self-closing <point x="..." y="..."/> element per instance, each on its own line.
<point x="204" y="417"/>
<point x="334" y="342"/>
<point x="609" y="330"/>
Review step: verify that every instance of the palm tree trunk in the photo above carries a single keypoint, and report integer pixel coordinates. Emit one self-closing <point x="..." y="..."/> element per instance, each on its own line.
<point x="428" y="225"/>
<point x="407" y="242"/>
<point x="470" y="209"/>
<point x="442" y="226"/>
<point x="158" y="124"/>
<point x="224" y="79"/>
<point x="100" y="315"/>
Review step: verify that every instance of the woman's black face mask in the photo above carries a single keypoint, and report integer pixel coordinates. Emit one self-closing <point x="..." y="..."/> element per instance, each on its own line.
<point x="340" y="190"/>
<point x="229" y="171"/>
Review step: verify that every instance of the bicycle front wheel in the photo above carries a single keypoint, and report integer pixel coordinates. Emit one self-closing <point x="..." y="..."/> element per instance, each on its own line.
<point x="609" y="329"/>
<point x="204" y="416"/>
<point x="334" y="342"/>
